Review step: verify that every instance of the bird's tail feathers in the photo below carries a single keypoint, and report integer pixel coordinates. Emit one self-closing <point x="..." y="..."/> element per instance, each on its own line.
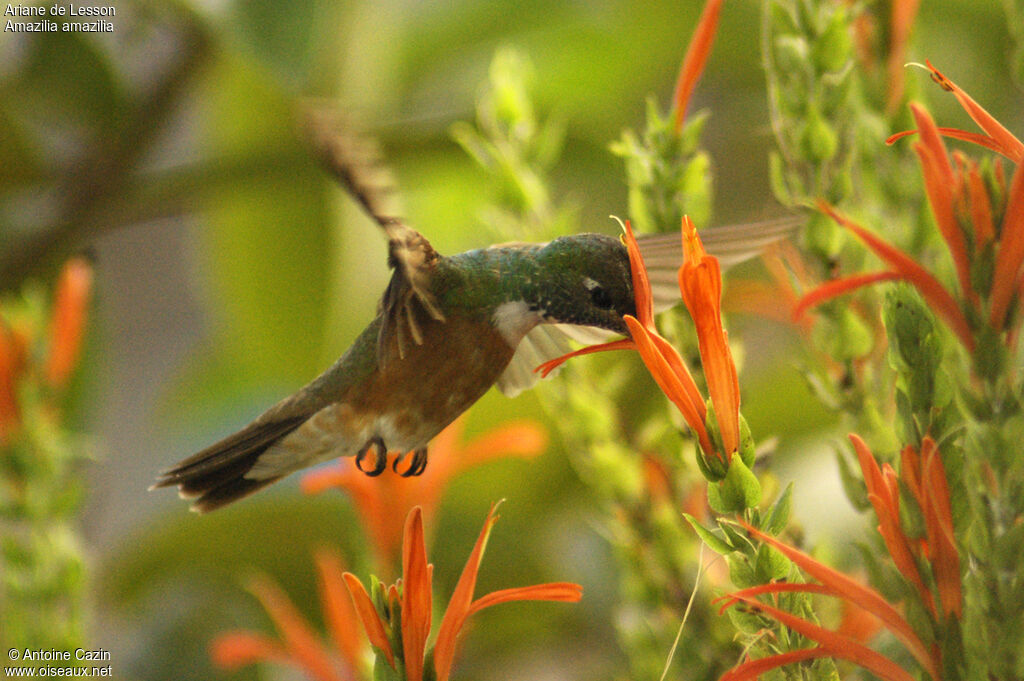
<point x="216" y="476"/>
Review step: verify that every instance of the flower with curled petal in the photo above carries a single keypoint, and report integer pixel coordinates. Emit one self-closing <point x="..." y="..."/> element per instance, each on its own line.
<point x="397" y="618"/>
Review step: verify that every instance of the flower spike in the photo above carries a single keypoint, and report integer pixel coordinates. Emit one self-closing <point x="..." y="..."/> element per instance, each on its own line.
<point x="851" y="590"/>
<point x="752" y="669"/>
<point x="833" y="644"/>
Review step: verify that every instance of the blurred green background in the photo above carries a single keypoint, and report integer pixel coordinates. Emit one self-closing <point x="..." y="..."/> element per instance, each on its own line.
<point x="230" y="271"/>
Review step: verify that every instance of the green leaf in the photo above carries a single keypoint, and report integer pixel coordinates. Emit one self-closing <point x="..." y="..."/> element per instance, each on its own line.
<point x="778" y="516"/>
<point x="853" y="483"/>
<point x="771" y="564"/>
<point x="741" y="572"/>
<point x="740" y="489"/>
<point x="715" y="543"/>
<point x="714" y="493"/>
<point x="745" y="621"/>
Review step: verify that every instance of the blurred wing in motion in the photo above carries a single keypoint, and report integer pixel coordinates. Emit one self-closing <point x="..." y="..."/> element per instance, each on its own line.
<point x="356" y="162"/>
<point x="731" y="244"/>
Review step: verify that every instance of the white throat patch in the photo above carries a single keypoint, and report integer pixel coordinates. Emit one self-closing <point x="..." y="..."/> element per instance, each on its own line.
<point x="514" y="320"/>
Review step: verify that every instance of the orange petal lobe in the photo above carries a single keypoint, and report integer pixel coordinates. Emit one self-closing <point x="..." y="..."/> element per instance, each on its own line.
<point x="547" y="367"/>
<point x="417" y="597"/>
<point x="752" y="669"/>
<point x="301" y="643"/>
<point x="836" y="645"/>
<point x="641" y="282"/>
<point x="522" y="438"/>
<point x="837" y="287"/>
<point x="940" y="300"/>
<point x="372" y="624"/>
<point x="459" y="606"/>
<point x="339" y="613"/>
<point x="669" y="382"/>
<point x="239" y="648"/>
<point x="693" y="63"/>
<point x="562" y="592"/>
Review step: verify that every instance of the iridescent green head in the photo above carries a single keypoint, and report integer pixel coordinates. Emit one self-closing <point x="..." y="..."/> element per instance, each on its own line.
<point x="590" y="282"/>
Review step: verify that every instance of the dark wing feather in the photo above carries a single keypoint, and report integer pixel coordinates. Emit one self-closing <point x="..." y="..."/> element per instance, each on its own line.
<point x="356" y="163"/>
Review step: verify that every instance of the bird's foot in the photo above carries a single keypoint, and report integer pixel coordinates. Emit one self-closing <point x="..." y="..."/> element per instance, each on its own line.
<point x="380" y="452"/>
<point x="418" y="465"/>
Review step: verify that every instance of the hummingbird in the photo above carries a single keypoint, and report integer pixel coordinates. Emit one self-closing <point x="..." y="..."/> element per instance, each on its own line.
<point x="447" y="329"/>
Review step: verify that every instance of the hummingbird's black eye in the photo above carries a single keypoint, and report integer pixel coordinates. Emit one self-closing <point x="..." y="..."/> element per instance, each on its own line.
<point x="600" y="297"/>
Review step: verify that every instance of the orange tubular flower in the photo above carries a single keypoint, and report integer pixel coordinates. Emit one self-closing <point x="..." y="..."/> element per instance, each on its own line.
<point x="883" y="493"/>
<point x="700" y="283"/>
<point x="300" y="647"/>
<point x="901" y="21"/>
<point x="693" y="63"/>
<point x="1011" y="253"/>
<point x="385" y="501"/>
<point x="940" y="183"/>
<point x="411" y="602"/>
<point x="855" y="596"/>
<point x="924" y="475"/>
<point x="68" y="322"/>
<point x="12" y="361"/>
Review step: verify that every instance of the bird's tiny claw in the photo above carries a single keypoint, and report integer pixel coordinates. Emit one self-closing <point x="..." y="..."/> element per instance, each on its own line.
<point x="418" y="465"/>
<point x="381" y="456"/>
